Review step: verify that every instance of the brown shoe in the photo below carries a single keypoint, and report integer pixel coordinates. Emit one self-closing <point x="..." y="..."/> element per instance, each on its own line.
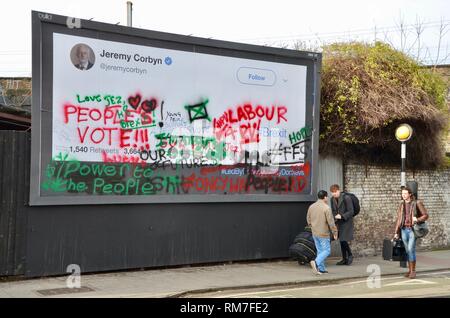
<point x="409" y="270"/>
<point x="314" y="268"/>
<point x="413" y="270"/>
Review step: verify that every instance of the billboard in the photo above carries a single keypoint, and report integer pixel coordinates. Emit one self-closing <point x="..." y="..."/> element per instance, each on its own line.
<point x="122" y="115"/>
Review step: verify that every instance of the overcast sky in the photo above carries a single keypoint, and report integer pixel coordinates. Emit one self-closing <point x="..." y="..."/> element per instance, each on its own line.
<point x="265" y="22"/>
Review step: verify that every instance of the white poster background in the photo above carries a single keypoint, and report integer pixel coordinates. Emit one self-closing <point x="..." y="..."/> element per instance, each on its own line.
<point x="189" y="79"/>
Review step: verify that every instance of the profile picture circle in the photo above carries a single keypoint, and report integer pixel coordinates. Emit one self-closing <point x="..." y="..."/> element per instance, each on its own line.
<point x="82" y="56"/>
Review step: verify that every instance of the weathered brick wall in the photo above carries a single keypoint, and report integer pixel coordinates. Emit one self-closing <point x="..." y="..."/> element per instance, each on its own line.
<point x="379" y="191"/>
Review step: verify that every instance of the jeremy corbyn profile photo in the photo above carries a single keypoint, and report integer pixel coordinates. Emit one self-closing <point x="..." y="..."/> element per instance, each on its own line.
<point x="82" y="56"/>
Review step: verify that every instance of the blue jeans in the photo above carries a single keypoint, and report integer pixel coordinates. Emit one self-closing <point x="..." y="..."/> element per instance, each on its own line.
<point x="323" y="251"/>
<point x="410" y="243"/>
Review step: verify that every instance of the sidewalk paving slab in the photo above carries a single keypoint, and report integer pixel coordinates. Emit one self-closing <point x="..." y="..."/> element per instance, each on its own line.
<point x="177" y="282"/>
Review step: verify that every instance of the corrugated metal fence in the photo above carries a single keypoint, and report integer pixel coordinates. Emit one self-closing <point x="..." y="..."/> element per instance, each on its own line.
<point x="14" y="189"/>
<point x="330" y="172"/>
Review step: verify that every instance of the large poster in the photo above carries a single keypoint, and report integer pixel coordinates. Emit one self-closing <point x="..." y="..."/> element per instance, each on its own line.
<point x="148" y="105"/>
<point x="138" y="120"/>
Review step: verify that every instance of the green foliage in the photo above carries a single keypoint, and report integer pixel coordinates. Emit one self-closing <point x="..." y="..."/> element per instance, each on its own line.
<point x="368" y="88"/>
<point x="434" y="86"/>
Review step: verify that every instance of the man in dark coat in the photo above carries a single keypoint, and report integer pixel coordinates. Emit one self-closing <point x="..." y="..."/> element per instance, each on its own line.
<point x="342" y="208"/>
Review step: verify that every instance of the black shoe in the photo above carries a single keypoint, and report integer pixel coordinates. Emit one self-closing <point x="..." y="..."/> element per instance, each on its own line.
<point x="323" y="272"/>
<point x="349" y="260"/>
<point x="342" y="262"/>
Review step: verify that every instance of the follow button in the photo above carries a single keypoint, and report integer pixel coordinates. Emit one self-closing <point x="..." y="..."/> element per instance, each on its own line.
<point x="256" y="76"/>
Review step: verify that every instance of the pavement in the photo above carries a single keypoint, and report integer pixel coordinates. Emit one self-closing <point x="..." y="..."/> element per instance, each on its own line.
<point x="195" y="280"/>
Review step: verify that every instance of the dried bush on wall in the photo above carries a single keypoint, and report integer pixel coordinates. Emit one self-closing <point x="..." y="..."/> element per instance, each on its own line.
<point x="366" y="92"/>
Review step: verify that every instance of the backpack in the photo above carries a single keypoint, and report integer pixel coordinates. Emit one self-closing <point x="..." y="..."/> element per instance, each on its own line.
<point x="355" y="201"/>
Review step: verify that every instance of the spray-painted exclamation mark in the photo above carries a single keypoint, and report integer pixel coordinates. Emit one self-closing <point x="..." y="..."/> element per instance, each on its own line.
<point x="136" y="137"/>
<point x="161" y="124"/>
<point x="145" y="138"/>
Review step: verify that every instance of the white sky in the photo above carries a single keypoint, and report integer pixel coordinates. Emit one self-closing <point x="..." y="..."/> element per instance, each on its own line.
<point x="266" y="22"/>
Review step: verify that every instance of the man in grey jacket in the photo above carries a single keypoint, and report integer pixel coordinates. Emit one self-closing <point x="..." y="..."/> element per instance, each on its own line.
<point x="321" y="221"/>
<point x="342" y="207"/>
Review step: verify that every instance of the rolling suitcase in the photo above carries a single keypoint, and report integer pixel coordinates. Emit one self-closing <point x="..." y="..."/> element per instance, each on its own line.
<point x="303" y="250"/>
<point x="388" y="247"/>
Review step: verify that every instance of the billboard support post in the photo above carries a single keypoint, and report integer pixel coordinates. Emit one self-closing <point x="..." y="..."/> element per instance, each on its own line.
<point x="129" y="13"/>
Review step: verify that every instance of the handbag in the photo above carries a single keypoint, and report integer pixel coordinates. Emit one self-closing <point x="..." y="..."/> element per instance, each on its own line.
<point x="420" y="229"/>
<point x="399" y="251"/>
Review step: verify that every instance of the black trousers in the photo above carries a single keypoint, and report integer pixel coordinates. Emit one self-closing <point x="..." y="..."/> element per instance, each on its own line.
<point x="345" y="249"/>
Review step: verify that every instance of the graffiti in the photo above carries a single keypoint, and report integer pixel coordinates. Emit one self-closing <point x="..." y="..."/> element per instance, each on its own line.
<point x="225" y="156"/>
<point x="136" y="120"/>
<point x="174" y="117"/>
<point x="110" y="99"/>
<point x="277" y="184"/>
<point x="95" y="98"/>
<point x="251" y="183"/>
<point x="199" y="142"/>
<point x="286" y="155"/>
<point x="249" y="131"/>
<point x="147" y="105"/>
<point x="55" y="180"/>
<point x="121" y="158"/>
<point x="126" y="127"/>
<point x="108" y="116"/>
<point x="160" y="158"/>
<point x="255" y="158"/>
<point x="248" y="112"/>
<point x="161" y="123"/>
<point x="187" y="146"/>
<point x="156" y="155"/>
<point x="65" y="174"/>
<point x="198" y="111"/>
<point x="141" y="115"/>
<point x="134" y="101"/>
<point x="300" y="136"/>
<point x="123" y="179"/>
<point x="118" y="123"/>
<point x="212" y="184"/>
<point x="96" y="135"/>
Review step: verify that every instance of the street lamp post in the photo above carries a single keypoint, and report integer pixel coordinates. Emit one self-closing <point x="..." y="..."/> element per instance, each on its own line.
<point x="403" y="133"/>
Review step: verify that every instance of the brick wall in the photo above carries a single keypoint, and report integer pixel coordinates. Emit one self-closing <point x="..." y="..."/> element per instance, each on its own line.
<point x="378" y="189"/>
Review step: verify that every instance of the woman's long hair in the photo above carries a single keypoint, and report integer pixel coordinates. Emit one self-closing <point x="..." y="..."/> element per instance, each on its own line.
<point x="413" y="197"/>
